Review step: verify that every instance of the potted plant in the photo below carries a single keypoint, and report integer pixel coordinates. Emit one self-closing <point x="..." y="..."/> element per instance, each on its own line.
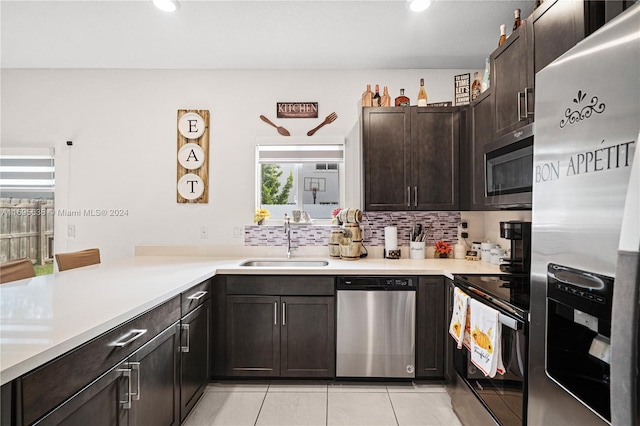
<point x="335" y="214"/>
<point x="261" y="215"/>
<point x="442" y="249"/>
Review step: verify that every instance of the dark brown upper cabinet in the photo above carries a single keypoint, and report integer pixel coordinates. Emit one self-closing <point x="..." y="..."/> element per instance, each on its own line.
<point x="410" y="158"/>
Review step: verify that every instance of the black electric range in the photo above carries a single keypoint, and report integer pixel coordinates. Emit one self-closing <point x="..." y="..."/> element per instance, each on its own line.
<point x="507" y="290"/>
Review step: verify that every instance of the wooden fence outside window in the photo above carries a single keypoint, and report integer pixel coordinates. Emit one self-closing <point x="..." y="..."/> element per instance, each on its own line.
<point x="26" y="229"/>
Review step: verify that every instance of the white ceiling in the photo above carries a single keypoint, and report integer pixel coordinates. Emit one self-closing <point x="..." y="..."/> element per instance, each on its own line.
<point x="242" y="34"/>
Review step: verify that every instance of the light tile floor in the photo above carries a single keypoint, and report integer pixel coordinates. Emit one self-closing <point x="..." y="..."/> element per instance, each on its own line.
<point x="323" y="403"/>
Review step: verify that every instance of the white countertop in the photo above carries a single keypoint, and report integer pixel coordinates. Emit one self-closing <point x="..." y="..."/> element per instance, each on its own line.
<point x="44" y="317"/>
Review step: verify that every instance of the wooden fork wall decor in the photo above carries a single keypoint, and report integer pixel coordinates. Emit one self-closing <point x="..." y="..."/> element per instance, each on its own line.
<point x="330" y="119"/>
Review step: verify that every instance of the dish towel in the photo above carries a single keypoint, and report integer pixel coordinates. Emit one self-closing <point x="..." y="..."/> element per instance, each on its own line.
<point x="459" y="316"/>
<point x="486" y="350"/>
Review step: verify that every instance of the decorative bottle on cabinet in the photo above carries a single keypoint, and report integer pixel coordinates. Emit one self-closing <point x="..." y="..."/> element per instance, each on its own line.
<point x="367" y="97"/>
<point x="517" y="22"/>
<point x="486" y="81"/>
<point x="376" y="97"/>
<point x="476" y="86"/>
<point x="503" y="35"/>
<point x="422" y="94"/>
<point x="385" y="100"/>
<point x="402" y="100"/>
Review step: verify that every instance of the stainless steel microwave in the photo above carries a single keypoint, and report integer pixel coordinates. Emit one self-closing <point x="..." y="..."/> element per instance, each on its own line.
<point x="508" y="167"/>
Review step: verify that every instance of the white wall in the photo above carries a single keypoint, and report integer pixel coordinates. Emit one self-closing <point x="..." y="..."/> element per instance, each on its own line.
<point x="123" y="127"/>
<point x="485" y="226"/>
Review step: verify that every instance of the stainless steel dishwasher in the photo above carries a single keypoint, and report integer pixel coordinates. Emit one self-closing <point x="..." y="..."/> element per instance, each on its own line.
<point x="376" y="327"/>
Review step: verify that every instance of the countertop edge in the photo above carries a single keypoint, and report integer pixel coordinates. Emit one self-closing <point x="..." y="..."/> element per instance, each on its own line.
<point x="230" y="266"/>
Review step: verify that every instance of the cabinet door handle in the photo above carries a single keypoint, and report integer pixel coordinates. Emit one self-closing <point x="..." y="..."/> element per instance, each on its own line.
<point x="135" y="366"/>
<point x="415" y="196"/>
<point x="197" y="295"/>
<point x="275" y="313"/>
<point x="519" y="109"/>
<point x="185" y="328"/>
<point x="130" y="337"/>
<point x="408" y="196"/>
<point x="527" y="113"/>
<point x="284" y="314"/>
<point x="126" y="404"/>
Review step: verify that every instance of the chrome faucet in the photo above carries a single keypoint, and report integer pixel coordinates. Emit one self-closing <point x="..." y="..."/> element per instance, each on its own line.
<point x="287" y="230"/>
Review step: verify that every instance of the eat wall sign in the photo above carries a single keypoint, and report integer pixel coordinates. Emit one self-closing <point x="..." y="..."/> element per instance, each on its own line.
<point x="193" y="156"/>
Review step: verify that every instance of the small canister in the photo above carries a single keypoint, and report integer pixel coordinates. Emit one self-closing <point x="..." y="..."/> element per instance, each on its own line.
<point x="486" y="251"/>
<point x="497" y="254"/>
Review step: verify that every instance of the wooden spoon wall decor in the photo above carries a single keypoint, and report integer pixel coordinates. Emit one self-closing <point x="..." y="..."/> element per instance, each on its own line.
<point x="280" y="129"/>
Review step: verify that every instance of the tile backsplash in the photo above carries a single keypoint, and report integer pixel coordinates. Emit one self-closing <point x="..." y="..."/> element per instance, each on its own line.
<point x="444" y="226"/>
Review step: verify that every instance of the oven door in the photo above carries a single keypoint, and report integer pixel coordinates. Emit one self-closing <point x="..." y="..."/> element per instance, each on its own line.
<point x="503" y="395"/>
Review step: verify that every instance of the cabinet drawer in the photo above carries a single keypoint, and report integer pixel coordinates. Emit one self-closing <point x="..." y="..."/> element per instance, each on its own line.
<point x="293" y="285"/>
<point x="194" y="297"/>
<point x="48" y="386"/>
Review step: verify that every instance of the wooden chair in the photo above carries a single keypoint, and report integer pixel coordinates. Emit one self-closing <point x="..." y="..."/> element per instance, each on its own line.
<point x="77" y="259"/>
<point x="16" y="270"/>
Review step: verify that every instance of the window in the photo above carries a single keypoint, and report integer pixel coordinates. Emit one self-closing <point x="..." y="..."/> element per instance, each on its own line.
<point x="300" y="177"/>
<point x="27" y="183"/>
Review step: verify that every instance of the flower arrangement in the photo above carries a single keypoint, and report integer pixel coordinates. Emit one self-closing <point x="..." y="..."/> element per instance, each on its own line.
<point x="442" y="249"/>
<point x="261" y="215"/>
<point x="335" y="214"/>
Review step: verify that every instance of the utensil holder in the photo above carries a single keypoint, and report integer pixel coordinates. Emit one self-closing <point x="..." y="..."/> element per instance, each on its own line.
<point x="416" y="250"/>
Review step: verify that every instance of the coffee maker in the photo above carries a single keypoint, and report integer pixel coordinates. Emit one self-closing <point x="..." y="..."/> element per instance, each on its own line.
<point x="520" y="235"/>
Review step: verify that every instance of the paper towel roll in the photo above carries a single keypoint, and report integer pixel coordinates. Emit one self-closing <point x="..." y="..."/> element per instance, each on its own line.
<point x="459" y="251"/>
<point x="390" y="238"/>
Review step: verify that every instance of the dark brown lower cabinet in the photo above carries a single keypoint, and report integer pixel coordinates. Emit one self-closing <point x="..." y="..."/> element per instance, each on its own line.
<point x="253" y="336"/>
<point x="307" y="337"/>
<point x="98" y="402"/>
<point x="288" y="336"/>
<point x="430" y="318"/>
<point x="194" y="366"/>
<point x="155" y="390"/>
<point x="143" y="390"/>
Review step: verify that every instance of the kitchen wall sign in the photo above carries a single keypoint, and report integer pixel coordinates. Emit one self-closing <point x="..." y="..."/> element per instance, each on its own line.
<point x="462" y="88"/>
<point x="297" y="109"/>
<point x="193" y="156"/>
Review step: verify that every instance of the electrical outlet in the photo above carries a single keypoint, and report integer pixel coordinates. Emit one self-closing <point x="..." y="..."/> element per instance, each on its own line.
<point x="463" y="225"/>
<point x="71" y="231"/>
<point x="204" y="233"/>
<point x="238" y="232"/>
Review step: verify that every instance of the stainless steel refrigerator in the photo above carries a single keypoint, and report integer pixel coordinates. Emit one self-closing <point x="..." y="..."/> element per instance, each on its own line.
<point x="585" y="232"/>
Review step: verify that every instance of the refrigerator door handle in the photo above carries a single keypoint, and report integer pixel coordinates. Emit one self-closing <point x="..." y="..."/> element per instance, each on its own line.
<point x="625" y="310"/>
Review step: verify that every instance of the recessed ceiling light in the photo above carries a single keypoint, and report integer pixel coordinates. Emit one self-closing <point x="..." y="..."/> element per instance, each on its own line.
<point x="167" y="5"/>
<point x="419" y="5"/>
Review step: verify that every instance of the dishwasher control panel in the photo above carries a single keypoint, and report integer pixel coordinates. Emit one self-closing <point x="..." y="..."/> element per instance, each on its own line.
<point x="376" y="283"/>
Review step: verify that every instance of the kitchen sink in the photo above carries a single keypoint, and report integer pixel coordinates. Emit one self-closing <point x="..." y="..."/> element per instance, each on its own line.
<point x="284" y="263"/>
